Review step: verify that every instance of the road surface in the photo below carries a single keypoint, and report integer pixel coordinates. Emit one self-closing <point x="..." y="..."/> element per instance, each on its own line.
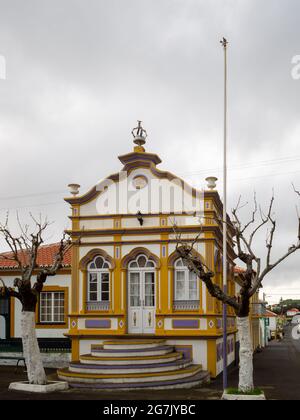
<point x="277" y="372"/>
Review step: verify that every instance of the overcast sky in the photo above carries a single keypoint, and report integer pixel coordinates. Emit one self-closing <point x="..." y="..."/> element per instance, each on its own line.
<point x="80" y="73"/>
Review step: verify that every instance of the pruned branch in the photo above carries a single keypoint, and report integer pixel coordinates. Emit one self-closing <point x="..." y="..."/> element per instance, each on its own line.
<point x="24" y="252"/>
<point x="64" y="246"/>
<point x="254" y="274"/>
<point x="296" y="191"/>
<point x="8" y="291"/>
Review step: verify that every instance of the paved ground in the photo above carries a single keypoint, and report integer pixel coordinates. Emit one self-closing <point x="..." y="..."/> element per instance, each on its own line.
<point x="277" y="371"/>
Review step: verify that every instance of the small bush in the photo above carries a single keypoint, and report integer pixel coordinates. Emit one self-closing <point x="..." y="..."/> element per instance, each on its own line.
<point x="235" y="391"/>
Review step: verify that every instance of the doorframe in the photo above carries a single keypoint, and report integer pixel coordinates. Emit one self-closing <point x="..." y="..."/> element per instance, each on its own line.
<point x="140" y="270"/>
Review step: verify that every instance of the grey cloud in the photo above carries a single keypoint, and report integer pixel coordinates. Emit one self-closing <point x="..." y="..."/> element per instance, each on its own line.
<point x="80" y="73"/>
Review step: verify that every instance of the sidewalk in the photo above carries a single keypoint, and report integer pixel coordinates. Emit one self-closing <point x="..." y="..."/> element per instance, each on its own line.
<point x="7" y="376"/>
<point x="277" y="372"/>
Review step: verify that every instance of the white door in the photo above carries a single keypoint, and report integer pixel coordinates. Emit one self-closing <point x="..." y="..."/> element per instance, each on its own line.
<point x="141" y="302"/>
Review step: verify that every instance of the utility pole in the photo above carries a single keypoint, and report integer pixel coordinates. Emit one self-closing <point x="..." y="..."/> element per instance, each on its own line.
<point x="224" y="43"/>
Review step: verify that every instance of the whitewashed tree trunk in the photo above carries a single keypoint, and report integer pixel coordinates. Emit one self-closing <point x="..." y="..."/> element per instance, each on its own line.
<point x="246" y="355"/>
<point x="35" y="370"/>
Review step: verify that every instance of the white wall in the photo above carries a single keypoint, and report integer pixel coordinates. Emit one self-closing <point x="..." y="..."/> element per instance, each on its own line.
<point x="159" y="195"/>
<point x="273" y="323"/>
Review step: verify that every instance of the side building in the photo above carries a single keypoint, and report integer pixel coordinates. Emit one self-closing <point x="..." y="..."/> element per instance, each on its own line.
<point x="52" y="314"/>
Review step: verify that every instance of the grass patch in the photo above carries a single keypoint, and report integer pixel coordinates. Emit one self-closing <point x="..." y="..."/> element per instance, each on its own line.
<point x="235" y="391"/>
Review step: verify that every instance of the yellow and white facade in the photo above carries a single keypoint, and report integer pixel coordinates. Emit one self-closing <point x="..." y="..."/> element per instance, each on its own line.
<point x="127" y="280"/>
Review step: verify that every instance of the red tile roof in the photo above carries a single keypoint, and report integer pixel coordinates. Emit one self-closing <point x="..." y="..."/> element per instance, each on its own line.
<point x="45" y="257"/>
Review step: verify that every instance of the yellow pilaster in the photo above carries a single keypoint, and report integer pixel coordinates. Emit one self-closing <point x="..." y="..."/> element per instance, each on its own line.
<point x="212" y="357"/>
<point x="164" y="274"/>
<point x="117" y="275"/>
<point x="75" y="279"/>
<point x="75" y="349"/>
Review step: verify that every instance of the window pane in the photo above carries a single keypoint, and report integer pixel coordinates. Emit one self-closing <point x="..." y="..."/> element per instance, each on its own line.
<point x="149" y="289"/>
<point x="93" y="297"/>
<point x="133" y="265"/>
<point x="134" y="289"/>
<point x="149" y="301"/>
<point x="180" y="285"/>
<point x="105" y="296"/>
<point x="150" y="264"/>
<point x="193" y="295"/>
<point x="142" y="261"/>
<point x="180" y="275"/>
<point x="93" y="287"/>
<point x="193" y="283"/>
<point x="93" y="277"/>
<point x="178" y="263"/>
<point x="179" y="291"/>
<point x="52" y="307"/>
<point x="99" y="262"/>
<point x="105" y="287"/>
<point x="105" y="277"/>
<point x="135" y="301"/>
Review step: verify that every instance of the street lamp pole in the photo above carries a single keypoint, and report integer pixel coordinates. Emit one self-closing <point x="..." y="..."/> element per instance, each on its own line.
<point x="224" y="43"/>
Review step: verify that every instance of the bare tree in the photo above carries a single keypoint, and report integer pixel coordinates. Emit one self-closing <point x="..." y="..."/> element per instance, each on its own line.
<point x="24" y="250"/>
<point x="251" y="280"/>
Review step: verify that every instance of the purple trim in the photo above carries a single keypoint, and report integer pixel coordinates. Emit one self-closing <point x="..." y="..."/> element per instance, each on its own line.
<point x="199" y="377"/>
<point x="101" y="350"/>
<point x="186" y="351"/>
<point x="185" y="323"/>
<point x="116" y="367"/>
<point x="97" y="323"/>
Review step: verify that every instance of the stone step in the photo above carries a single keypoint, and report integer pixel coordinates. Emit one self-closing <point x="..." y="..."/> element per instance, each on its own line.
<point x="199" y="379"/>
<point x="66" y="375"/>
<point x="126" y="369"/>
<point x="88" y="359"/>
<point x="132" y="344"/>
<point x="158" y="350"/>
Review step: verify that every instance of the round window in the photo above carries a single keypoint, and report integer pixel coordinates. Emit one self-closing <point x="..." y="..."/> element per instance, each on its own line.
<point x="140" y="182"/>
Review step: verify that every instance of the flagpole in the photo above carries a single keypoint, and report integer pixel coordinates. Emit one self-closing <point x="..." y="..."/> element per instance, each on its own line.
<point x="224" y="43"/>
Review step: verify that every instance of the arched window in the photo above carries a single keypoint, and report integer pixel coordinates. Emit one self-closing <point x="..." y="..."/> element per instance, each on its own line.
<point x="186" y="287"/>
<point x="98" y="280"/>
<point x="141" y="262"/>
